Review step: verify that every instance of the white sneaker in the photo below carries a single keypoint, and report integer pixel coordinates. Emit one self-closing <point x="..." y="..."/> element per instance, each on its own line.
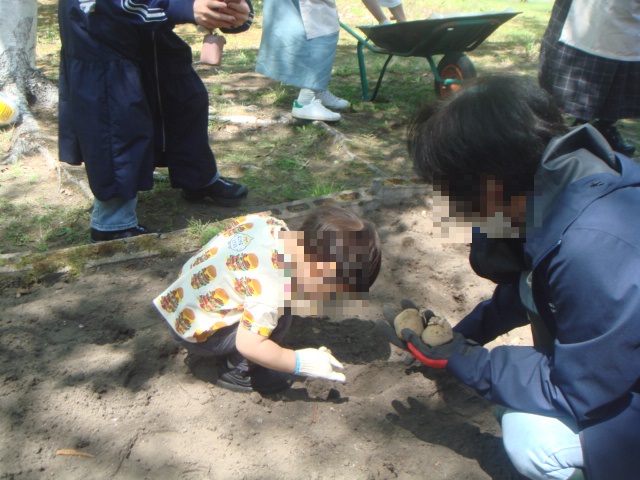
<point x="314" y="111"/>
<point x="329" y="100"/>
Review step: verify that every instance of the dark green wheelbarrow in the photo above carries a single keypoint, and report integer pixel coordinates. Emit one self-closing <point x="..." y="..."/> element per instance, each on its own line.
<point x="450" y="36"/>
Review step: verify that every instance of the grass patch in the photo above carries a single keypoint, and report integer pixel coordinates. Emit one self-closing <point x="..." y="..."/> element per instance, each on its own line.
<point x="44" y="228"/>
<point x="205" y="231"/>
<point x="202" y="232"/>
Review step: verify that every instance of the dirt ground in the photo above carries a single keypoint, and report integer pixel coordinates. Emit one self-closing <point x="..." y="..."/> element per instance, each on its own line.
<point x="94" y="386"/>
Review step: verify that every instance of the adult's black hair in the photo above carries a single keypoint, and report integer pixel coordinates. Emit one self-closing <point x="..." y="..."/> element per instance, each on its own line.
<point x="495" y="126"/>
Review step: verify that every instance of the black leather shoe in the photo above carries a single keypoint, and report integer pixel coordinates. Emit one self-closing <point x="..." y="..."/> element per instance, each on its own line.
<point x="222" y="191"/>
<point x="613" y="137"/>
<point x="100" y="236"/>
<point x="258" y="379"/>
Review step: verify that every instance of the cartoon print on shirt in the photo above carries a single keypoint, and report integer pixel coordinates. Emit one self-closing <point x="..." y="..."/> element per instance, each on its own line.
<point x="213" y="300"/>
<point x="248" y="287"/>
<point x="239" y="242"/>
<point x="184" y="320"/>
<point x="242" y="261"/>
<point x="214" y="293"/>
<point x="205" y="256"/>
<point x="203" y="277"/>
<point x="170" y="301"/>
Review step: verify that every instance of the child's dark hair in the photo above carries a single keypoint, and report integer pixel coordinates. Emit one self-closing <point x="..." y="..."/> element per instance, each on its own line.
<point x="330" y="235"/>
<point x="496" y="126"/>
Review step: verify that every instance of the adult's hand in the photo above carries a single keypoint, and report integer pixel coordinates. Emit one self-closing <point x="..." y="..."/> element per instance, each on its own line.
<point x="240" y="10"/>
<point x="219" y="14"/>
<point x="435" y="357"/>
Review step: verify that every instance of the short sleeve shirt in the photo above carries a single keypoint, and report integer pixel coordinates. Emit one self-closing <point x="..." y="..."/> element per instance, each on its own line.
<point x="232" y="279"/>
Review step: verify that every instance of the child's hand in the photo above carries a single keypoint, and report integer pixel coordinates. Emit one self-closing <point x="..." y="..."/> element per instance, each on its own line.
<point x="318" y="363"/>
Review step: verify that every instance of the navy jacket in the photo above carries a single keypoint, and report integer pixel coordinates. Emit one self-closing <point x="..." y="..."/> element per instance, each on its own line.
<point x="583" y="249"/>
<point x="130" y="99"/>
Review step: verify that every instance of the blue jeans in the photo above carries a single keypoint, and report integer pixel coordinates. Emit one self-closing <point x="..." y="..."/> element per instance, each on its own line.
<point x="114" y="214"/>
<point x="119" y="214"/>
<point x="542" y="447"/>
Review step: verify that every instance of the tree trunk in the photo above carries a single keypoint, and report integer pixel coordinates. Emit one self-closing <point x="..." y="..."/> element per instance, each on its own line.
<point x="19" y="78"/>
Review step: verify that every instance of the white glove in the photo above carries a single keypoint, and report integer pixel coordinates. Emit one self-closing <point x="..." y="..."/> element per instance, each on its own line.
<point x="318" y="363"/>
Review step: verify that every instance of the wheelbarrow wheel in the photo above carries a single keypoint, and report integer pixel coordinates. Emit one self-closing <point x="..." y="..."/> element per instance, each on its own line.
<point x="457" y="66"/>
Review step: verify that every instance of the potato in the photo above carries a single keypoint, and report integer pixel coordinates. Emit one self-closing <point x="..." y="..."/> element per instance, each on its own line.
<point x="409" y="318"/>
<point x="438" y="332"/>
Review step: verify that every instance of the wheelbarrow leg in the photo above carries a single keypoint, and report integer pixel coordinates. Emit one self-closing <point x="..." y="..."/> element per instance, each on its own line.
<point x="364" y="81"/>
<point x="384" y="69"/>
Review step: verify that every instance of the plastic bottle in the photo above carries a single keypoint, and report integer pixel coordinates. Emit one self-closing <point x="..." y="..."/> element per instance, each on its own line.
<point x="212" y="47"/>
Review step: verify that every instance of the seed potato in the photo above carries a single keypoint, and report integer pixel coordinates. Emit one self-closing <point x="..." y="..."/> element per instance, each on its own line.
<point x="409" y="318"/>
<point x="438" y="332"/>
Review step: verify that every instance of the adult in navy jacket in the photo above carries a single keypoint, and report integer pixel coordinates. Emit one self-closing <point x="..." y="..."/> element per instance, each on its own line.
<point x="500" y="150"/>
<point x="130" y="101"/>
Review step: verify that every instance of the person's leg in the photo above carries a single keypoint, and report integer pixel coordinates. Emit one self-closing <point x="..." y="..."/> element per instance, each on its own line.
<point x="239" y="374"/>
<point x="374" y="8"/>
<point x="221" y="344"/>
<point x="105" y="120"/>
<point x="330" y="100"/>
<point x="309" y="106"/>
<point x="113" y="219"/>
<point x="236" y="360"/>
<point x="542" y="447"/>
<point x="306" y="96"/>
<point x="398" y="13"/>
<point x="186" y="151"/>
<point x="395" y="7"/>
<point x="114" y="214"/>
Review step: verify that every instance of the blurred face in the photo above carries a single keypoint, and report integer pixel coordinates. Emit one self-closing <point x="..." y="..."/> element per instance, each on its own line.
<point x="494" y="215"/>
<point x="313" y="279"/>
<point x="310" y="287"/>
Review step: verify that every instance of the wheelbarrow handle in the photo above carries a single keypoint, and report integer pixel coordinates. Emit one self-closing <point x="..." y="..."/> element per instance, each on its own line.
<point x="364" y="41"/>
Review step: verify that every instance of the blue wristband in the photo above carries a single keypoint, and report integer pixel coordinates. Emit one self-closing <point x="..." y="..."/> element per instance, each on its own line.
<point x="297" y="369"/>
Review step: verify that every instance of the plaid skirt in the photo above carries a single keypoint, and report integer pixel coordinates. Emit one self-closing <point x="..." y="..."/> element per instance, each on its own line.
<point x="584" y="85"/>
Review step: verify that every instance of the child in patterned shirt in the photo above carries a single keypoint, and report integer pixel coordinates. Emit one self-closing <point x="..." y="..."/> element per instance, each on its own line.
<point x="235" y="298"/>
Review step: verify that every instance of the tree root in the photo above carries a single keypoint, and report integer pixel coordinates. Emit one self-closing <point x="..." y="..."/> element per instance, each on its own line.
<point x="340" y="140"/>
<point x="26" y="86"/>
<point x="24" y="140"/>
<point x="82" y="184"/>
<point x="27" y="140"/>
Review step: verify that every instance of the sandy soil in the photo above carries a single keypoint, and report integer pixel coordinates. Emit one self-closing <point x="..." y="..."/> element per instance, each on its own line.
<point x="94" y="387"/>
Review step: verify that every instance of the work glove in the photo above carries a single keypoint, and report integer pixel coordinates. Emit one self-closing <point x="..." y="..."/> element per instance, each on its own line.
<point x="318" y="363"/>
<point x="424" y="325"/>
<point x="436" y="357"/>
